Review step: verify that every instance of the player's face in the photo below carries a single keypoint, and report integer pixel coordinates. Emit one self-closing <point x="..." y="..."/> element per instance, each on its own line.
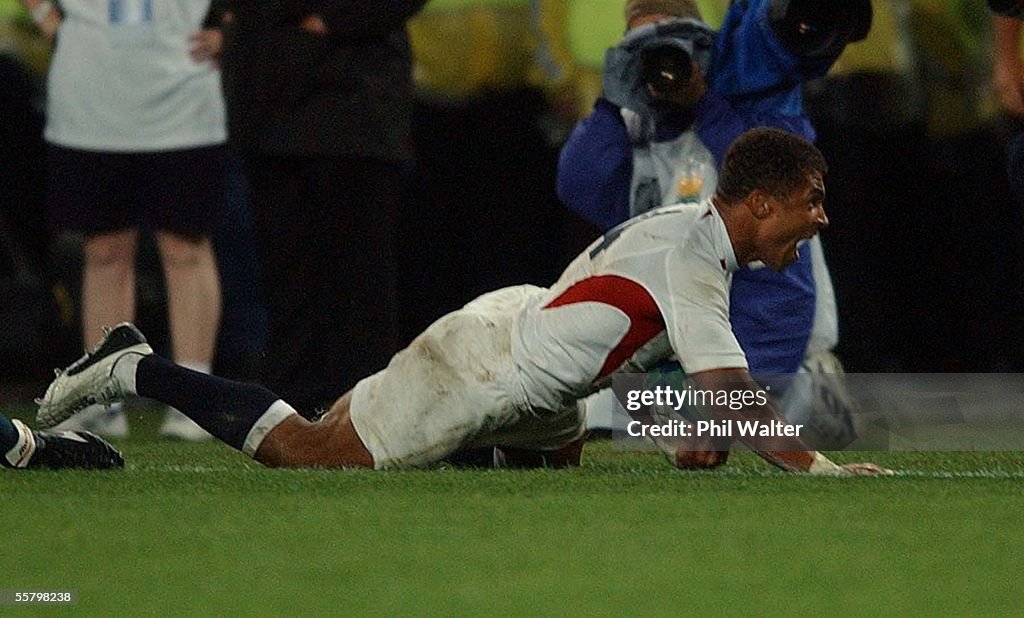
<point x="794" y="219"/>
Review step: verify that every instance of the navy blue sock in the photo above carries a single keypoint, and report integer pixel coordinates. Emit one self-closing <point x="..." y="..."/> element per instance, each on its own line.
<point x="225" y="408"/>
<point x="8" y="435"/>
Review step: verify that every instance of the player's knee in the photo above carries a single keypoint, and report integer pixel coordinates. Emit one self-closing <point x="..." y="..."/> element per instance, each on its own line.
<point x="109" y="250"/>
<point x="292" y="444"/>
<point x="180" y="252"/>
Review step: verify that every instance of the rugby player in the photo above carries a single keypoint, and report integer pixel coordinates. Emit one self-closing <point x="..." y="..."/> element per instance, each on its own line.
<point x="511" y="368"/>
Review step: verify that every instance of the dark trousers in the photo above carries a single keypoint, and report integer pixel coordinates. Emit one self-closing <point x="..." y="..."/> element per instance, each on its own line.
<point x="241" y="339"/>
<point x="482" y="212"/>
<point x="325" y="227"/>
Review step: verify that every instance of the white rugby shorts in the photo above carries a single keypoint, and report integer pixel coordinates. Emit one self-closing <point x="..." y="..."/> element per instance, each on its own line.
<point x="456" y="386"/>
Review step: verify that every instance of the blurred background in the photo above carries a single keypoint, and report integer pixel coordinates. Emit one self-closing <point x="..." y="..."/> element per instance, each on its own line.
<point x="925" y="243"/>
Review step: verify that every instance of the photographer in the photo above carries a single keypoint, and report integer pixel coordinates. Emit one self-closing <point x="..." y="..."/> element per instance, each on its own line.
<point x="659" y="133"/>
<point x="741" y="77"/>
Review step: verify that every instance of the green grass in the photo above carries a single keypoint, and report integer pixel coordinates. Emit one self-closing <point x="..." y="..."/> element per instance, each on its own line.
<point x="198" y="529"/>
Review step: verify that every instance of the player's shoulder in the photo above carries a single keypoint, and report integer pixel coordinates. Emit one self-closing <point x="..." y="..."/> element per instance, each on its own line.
<point x="670" y="220"/>
<point x="643" y="242"/>
<point x="667" y="226"/>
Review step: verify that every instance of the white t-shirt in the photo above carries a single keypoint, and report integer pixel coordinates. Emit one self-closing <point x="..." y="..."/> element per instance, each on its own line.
<point x="657" y="284"/>
<point x="668" y="172"/>
<point x="122" y="80"/>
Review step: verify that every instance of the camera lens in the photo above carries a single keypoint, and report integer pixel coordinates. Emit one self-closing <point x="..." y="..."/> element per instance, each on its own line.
<point x="666" y="67"/>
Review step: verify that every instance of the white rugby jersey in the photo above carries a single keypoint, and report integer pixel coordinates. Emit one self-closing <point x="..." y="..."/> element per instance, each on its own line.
<point x="654" y="285"/>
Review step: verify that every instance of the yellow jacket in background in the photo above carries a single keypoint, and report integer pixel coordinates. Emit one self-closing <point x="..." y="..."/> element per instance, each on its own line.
<point x="466" y="47"/>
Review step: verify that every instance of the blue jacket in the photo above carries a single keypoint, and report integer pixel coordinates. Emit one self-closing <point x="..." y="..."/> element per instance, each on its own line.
<point x="753" y="82"/>
<point x="754" y="71"/>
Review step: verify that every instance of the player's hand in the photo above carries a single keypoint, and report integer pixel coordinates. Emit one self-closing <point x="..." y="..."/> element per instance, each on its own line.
<point x="205" y="45"/>
<point x="866" y="469"/>
<point x="700" y="460"/>
<point x="701" y="453"/>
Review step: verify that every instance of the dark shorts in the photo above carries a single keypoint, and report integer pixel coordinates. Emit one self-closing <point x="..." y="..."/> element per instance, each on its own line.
<point x="179" y="191"/>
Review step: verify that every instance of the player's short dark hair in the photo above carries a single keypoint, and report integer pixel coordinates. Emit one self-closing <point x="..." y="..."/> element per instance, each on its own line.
<point x="772" y="160"/>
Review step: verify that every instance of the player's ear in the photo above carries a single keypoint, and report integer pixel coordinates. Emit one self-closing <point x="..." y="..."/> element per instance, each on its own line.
<point x="760" y="204"/>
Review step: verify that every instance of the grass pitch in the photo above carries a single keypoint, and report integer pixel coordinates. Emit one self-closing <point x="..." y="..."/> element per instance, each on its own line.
<point x="200" y="529"/>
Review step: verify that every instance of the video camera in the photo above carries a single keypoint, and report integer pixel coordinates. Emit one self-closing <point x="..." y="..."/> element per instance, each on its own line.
<point x="665" y="67"/>
<point x="655" y="56"/>
<point x="819" y="28"/>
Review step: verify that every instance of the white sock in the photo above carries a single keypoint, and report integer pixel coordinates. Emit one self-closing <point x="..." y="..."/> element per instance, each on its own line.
<point x="200" y="366"/>
<point x="274" y="416"/>
<point x="124" y="371"/>
<point x="24" y="448"/>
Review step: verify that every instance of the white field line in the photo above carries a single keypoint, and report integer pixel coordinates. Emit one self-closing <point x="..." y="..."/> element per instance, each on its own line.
<point x="925" y="474"/>
<point x="185" y="469"/>
<point x="966" y="474"/>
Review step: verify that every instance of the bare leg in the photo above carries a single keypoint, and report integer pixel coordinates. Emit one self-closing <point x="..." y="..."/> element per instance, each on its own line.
<point x="108" y="282"/>
<point x="331" y="442"/>
<point x="193" y="295"/>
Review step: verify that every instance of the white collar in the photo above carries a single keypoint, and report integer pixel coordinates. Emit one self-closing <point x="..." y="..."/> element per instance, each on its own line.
<point x="721" y="240"/>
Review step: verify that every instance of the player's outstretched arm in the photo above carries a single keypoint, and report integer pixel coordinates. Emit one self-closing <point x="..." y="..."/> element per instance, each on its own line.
<point x="787" y="452"/>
